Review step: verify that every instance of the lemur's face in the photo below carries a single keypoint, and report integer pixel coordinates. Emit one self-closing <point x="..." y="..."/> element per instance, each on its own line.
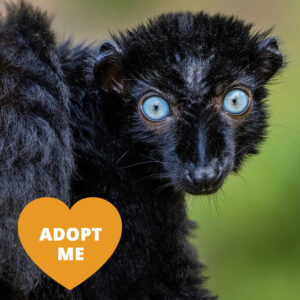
<point x="193" y="87"/>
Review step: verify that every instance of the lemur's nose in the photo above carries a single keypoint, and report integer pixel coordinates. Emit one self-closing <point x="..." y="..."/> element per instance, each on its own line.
<point x="200" y="175"/>
<point x="203" y="179"/>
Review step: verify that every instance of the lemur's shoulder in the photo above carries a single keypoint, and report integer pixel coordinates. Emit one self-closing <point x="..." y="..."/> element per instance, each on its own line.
<point x="77" y="61"/>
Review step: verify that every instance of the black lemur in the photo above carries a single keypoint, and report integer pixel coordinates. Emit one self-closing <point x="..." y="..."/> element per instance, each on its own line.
<point x="170" y="107"/>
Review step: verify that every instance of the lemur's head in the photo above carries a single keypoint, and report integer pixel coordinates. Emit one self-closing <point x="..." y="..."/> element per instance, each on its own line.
<point x="192" y="88"/>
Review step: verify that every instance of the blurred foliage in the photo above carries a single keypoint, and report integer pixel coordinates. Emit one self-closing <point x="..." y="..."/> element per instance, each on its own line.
<point x="248" y="233"/>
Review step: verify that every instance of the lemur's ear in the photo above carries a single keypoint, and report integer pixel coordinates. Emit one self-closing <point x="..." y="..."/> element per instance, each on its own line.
<point x="270" y="57"/>
<point x="108" y="70"/>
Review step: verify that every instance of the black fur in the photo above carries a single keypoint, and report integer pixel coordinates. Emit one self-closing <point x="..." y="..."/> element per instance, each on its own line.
<point x="46" y="90"/>
<point x="35" y="138"/>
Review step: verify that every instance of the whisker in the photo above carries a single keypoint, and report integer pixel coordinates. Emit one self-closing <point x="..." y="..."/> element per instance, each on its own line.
<point x="153" y="176"/>
<point x="122" y="156"/>
<point x="156" y="191"/>
<point x="215" y="199"/>
<point x="137" y="164"/>
<point x="245" y="182"/>
<point x="158" y="161"/>
<point x="245" y="148"/>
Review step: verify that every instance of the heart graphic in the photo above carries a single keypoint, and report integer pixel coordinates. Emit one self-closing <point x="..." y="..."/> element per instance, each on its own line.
<point x="69" y="245"/>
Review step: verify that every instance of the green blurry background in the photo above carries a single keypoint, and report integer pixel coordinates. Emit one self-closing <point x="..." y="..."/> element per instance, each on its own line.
<point x="249" y="233"/>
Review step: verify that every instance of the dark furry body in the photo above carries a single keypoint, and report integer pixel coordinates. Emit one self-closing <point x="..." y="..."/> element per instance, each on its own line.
<point x="53" y="112"/>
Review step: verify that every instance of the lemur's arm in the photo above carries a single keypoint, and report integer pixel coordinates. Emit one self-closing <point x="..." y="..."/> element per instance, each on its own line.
<point x="35" y="140"/>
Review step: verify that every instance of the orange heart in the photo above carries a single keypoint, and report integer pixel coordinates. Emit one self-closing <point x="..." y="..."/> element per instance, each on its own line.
<point x="70" y="245"/>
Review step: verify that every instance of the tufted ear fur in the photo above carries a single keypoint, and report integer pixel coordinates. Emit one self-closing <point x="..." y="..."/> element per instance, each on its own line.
<point x="108" y="70"/>
<point x="270" y="57"/>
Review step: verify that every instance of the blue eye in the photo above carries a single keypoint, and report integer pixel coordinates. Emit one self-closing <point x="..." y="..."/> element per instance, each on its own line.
<point x="155" y="108"/>
<point x="236" y="102"/>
